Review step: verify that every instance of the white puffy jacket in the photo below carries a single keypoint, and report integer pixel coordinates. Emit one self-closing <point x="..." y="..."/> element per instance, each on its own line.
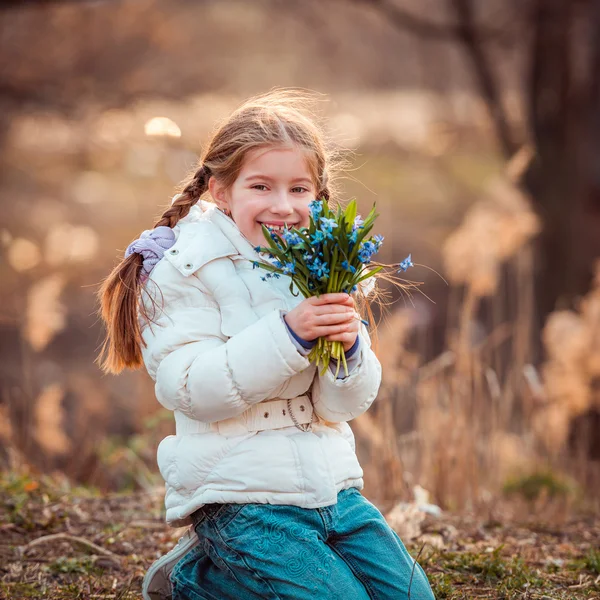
<point x="218" y="344"/>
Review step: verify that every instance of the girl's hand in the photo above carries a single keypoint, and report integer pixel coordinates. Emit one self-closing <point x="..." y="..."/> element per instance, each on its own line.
<point x="331" y="316"/>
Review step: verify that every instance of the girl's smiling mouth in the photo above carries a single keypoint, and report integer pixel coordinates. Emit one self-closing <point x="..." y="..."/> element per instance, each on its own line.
<point x="278" y="227"/>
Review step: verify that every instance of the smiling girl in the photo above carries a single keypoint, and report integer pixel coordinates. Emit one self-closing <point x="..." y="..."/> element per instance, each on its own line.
<point x="262" y="464"/>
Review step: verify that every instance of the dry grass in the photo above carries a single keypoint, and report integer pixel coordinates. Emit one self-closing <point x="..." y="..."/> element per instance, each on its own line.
<point x="480" y="415"/>
<point x="475" y="559"/>
<point x="60" y="542"/>
<point x="572" y="370"/>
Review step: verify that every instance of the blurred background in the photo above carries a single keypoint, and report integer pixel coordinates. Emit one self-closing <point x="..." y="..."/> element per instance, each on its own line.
<point x="474" y="126"/>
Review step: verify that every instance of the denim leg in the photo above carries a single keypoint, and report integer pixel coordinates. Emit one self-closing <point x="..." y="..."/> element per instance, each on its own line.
<point x="197" y="577"/>
<point x="279" y="552"/>
<point x="360" y="534"/>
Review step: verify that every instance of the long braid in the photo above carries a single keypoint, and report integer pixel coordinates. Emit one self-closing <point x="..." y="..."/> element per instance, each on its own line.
<point x="120" y="292"/>
<point x="186" y="198"/>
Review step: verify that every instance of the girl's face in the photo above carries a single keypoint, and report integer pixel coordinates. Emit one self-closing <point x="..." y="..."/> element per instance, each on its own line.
<point x="273" y="187"/>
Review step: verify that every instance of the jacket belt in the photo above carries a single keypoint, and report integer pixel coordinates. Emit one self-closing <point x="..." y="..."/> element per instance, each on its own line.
<point x="269" y="414"/>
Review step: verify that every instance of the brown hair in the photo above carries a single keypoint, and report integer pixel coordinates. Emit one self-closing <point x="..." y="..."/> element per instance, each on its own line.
<point x="277" y="118"/>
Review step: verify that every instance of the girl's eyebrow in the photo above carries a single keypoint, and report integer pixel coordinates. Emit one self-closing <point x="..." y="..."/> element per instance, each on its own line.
<point x="267" y="178"/>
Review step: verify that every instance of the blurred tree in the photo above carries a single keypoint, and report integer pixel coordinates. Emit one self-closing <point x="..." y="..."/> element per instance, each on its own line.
<point x="74" y="57"/>
<point x="558" y="42"/>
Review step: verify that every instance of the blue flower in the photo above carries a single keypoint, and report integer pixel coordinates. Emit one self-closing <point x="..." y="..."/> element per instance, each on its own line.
<point x="257" y="248"/>
<point x="348" y="267"/>
<point x="327" y="224"/>
<point x="358" y="222"/>
<point x="289" y="268"/>
<point x="318" y="268"/>
<point x="291" y="238"/>
<point x="406" y="264"/>
<point x="317" y="237"/>
<point x="271" y="276"/>
<point x="366" y="251"/>
<point x="368" y="248"/>
<point x="278" y="264"/>
<point x="255" y="264"/>
<point x="316" y="208"/>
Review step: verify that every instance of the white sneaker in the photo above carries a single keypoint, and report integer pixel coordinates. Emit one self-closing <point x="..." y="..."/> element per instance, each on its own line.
<point x="157" y="582"/>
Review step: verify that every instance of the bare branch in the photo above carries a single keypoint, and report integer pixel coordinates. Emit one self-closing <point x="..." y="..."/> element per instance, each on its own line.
<point x="20" y="4"/>
<point x="444" y="32"/>
<point x="74" y="539"/>
<point x="469" y="34"/>
<point x="472" y="36"/>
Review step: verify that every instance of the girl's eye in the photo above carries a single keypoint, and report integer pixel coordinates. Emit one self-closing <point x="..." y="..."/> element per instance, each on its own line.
<point x="259" y="185"/>
<point x="302" y="189"/>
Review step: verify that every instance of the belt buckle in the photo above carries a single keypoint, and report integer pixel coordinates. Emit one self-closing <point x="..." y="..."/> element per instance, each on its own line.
<point x="304" y="426"/>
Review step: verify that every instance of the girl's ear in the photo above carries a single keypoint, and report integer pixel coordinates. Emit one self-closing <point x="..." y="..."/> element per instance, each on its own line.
<point x="218" y="193"/>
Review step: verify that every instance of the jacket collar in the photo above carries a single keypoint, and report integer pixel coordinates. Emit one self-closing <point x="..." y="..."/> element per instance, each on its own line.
<point x="206" y="234"/>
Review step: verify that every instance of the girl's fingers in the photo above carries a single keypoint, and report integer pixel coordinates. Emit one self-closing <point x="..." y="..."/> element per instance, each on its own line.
<point x="337" y="298"/>
<point x="329" y="330"/>
<point x="344" y="338"/>
<point x="333" y="318"/>
<point x="337" y="330"/>
<point x="332" y="309"/>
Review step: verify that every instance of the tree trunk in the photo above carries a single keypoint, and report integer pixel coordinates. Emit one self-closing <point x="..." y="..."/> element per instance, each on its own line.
<point x="592" y="147"/>
<point x="550" y="179"/>
<point x="564" y="178"/>
<point x="471" y="39"/>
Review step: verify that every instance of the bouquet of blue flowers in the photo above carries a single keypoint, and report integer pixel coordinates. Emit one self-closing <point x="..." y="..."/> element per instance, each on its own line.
<point x="329" y="256"/>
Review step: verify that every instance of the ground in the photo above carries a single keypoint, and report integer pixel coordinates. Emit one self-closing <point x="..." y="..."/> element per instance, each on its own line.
<point x="59" y="542"/>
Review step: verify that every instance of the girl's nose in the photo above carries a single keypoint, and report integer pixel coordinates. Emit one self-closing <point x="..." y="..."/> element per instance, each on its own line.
<point x="283" y="206"/>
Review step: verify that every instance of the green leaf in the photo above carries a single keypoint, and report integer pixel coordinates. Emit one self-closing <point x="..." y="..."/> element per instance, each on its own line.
<point x="369" y="274"/>
<point x="292" y="289"/>
<point x="268" y="267"/>
<point x="332" y="266"/>
<point x="350" y="215"/>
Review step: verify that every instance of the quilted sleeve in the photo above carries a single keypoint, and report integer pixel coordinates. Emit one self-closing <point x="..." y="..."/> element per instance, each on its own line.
<point x="338" y="400"/>
<point x="202" y="372"/>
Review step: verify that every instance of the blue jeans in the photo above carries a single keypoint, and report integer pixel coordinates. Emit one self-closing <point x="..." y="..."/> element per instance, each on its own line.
<point x="275" y="552"/>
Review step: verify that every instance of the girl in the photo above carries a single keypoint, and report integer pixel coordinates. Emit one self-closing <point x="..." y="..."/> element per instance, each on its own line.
<point x="263" y="462"/>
